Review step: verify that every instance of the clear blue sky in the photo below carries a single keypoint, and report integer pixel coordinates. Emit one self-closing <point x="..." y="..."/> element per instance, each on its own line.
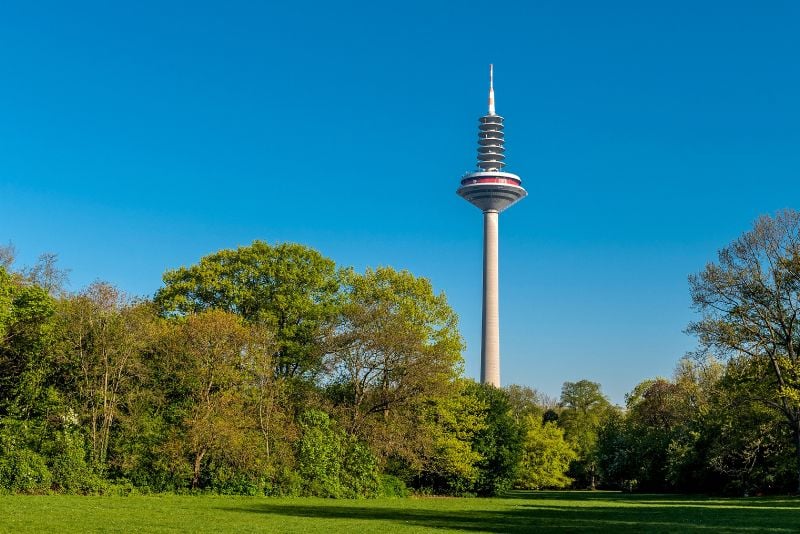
<point x="139" y="136"/>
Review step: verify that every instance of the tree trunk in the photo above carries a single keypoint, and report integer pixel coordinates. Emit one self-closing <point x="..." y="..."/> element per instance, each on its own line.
<point x="198" y="459"/>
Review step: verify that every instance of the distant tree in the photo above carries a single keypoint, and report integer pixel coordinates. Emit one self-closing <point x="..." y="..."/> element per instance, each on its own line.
<point x="288" y="287"/>
<point x="526" y="401"/>
<point x="499" y="443"/>
<point x="46" y="274"/>
<point x="583" y="411"/>
<point x="546" y="456"/>
<point x="750" y="305"/>
<point x="8" y="254"/>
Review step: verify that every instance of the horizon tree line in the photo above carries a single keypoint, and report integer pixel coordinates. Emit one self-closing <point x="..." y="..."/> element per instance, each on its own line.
<point x="270" y="370"/>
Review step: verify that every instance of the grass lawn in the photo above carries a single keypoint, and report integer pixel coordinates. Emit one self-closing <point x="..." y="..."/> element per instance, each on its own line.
<point x="517" y="512"/>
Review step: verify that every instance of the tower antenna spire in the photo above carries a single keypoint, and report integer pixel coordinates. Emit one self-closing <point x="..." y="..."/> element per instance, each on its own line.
<point x="491" y="89"/>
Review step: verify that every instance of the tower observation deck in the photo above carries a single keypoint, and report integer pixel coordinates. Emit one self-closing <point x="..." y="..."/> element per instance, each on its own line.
<point x="492" y="190"/>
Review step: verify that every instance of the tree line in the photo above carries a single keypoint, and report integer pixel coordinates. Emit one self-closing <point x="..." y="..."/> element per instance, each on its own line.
<point x="269" y="370"/>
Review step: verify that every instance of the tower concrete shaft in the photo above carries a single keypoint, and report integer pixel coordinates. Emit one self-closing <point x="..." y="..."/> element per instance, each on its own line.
<point x="490" y="346"/>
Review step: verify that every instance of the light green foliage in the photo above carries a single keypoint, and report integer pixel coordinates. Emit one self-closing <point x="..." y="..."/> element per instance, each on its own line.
<point x="546" y="456"/>
<point x="332" y="464"/>
<point x="25" y="334"/>
<point x="6" y="300"/>
<point x="291" y="288"/>
<point x="452" y="424"/>
<point x="398" y="347"/>
<point x="319" y="455"/>
<point x="24" y="471"/>
<point x="67" y="457"/>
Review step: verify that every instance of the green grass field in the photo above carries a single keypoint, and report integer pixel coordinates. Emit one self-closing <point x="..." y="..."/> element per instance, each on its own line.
<point x="517" y="512"/>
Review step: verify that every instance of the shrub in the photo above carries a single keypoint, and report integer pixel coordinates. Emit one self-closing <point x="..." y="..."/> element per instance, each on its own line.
<point x="24" y="471"/>
<point x="71" y="473"/>
<point x="391" y="486"/>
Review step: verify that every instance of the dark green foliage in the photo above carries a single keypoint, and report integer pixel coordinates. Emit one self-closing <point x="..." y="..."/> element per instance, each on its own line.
<point x="499" y="443"/>
<point x="392" y="486"/>
<point x="71" y="473"/>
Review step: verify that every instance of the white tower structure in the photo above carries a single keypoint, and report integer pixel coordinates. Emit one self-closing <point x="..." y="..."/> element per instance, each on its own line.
<point x="491" y="190"/>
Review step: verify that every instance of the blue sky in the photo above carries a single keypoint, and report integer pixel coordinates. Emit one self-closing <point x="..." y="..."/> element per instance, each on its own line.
<point x="138" y="137"/>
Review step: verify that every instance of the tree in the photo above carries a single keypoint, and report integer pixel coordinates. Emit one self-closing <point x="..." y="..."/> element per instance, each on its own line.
<point x="205" y="356"/>
<point x="290" y="288"/>
<point x="527" y="401"/>
<point x="499" y="443"/>
<point x="451" y="424"/>
<point x="102" y="335"/>
<point x="749" y="302"/>
<point x="398" y="347"/>
<point x="546" y="456"/>
<point x="26" y="325"/>
<point x="584" y="408"/>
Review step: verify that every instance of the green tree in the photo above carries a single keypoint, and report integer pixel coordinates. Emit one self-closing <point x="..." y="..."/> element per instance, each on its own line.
<point x="527" y="401"/>
<point x="332" y="464"/>
<point x="26" y="326"/>
<point x="452" y="423"/>
<point x="749" y="302"/>
<point x="546" y="456"/>
<point x="499" y="443"/>
<point x="584" y="408"/>
<point x="205" y="358"/>
<point x="102" y="336"/>
<point x="398" y="347"/>
<point x="288" y="287"/>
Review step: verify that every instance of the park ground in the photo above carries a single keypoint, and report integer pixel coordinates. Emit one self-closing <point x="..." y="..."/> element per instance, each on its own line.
<point x="516" y="512"/>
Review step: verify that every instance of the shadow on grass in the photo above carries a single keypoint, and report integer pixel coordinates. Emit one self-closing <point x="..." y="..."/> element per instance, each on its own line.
<point x="535" y="511"/>
<point x="659" y="499"/>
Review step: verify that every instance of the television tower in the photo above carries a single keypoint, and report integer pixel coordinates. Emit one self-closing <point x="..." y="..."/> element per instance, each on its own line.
<point x="491" y="190"/>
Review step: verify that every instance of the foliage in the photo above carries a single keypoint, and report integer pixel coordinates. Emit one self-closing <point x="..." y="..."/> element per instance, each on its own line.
<point x="266" y="371"/>
<point x="584" y="408"/>
<point x="397" y="348"/>
<point x="750" y="305"/>
<point x="291" y="288"/>
<point x="499" y="442"/>
<point x="451" y="424"/>
<point x="24" y="471"/>
<point x="546" y="456"/>
<point x="332" y="464"/>
<point x="26" y="313"/>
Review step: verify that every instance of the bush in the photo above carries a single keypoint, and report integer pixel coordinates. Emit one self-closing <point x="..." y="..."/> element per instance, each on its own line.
<point x="227" y="481"/>
<point x="319" y="455"/>
<point x="24" y="471"/>
<point x="391" y="486"/>
<point x="71" y="473"/>
<point x="359" y="474"/>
